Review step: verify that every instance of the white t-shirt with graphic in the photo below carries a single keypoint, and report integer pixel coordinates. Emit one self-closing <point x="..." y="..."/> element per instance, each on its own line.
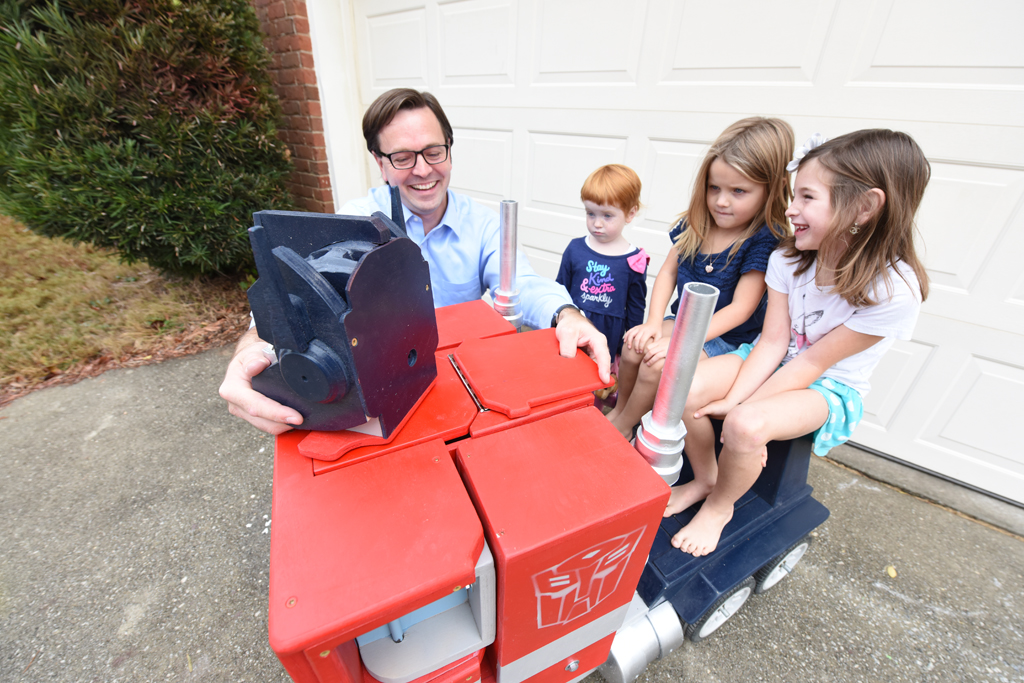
<point x="814" y="312"/>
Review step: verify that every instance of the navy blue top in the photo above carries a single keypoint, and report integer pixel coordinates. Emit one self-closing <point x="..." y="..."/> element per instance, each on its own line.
<point x="752" y="255"/>
<point x="605" y="288"/>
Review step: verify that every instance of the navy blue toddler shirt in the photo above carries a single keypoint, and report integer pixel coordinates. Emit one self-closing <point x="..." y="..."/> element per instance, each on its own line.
<point x="610" y="290"/>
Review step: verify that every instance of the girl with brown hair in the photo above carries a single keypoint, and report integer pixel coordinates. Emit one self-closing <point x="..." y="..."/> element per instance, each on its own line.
<point x="840" y="291"/>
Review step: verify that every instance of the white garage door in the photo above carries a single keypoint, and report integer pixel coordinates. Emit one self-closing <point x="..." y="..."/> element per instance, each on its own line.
<point x="541" y="92"/>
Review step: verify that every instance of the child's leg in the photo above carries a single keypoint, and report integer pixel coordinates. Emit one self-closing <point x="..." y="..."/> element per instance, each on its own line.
<point x="639" y="397"/>
<point x="711" y="382"/>
<point x="746" y="431"/>
<point x="629" y="365"/>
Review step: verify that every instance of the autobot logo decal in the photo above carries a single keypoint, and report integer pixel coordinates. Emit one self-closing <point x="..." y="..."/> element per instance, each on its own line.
<point x="575" y="586"/>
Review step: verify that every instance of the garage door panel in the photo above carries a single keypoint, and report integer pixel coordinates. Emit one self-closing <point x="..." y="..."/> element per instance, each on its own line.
<point x="484" y="167"/>
<point x="668" y="174"/>
<point x="401" y="37"/>
<point x="558" y="165"/>
<point x="965" y="211"/>
<point x="1001" y="283"/>
<point x="951" y="62"/>
<point x="961" y="44"/>
<point x="477" y="41"/>
<point x="390" y="66"/>
<point x="1016" y="293"/>
<point x="934" y="104"/>
<point x="960" y="415"/>
<point x="980" y="414"/>
<point x="603" y="46"/>
<point x="973" y="232"/>
<point x="987" y="314"/>
<point x="893" y="379"/>
<point x="696" y="53"/>
<point x="548" y="230"/>
<point x="544" y="262"/>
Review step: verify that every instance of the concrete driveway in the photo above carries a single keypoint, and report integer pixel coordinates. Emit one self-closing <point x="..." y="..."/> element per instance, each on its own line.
<point x="134" y="540"/>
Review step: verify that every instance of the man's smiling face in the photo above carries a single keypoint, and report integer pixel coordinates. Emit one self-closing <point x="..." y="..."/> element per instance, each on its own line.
<point x="424" y="188"/>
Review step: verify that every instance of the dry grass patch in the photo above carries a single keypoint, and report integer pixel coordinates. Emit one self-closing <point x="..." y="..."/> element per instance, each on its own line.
<point x="72" y="311"/>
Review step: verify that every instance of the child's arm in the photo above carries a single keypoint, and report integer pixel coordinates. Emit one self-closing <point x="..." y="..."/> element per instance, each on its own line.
<point x="763" y="359"/>
<point x="757" y="378"/>
<point x="745" y="299"/>
<point x="894" y="317"/>
<point x="840" y="343"/>
<point x="636" y="300"/>
<point x="638" y="337"/>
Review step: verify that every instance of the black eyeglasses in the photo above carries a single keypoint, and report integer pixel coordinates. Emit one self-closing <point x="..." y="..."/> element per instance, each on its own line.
<point x="433" y="155"/>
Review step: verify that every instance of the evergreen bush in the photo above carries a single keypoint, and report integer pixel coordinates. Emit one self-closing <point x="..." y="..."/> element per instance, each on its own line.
<point x="146" y="126"/>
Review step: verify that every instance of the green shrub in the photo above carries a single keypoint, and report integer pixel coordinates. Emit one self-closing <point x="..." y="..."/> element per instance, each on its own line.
<point x="145" y="126"/>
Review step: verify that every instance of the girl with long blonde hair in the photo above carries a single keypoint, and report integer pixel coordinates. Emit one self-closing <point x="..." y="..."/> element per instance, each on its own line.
<point x="735" y="220"/>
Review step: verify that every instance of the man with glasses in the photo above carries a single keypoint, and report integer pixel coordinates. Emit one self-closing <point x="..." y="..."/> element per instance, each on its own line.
<point x="410" y="138"/>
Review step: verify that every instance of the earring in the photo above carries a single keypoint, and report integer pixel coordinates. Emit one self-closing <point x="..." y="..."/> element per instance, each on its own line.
<point x="855" y="229"/>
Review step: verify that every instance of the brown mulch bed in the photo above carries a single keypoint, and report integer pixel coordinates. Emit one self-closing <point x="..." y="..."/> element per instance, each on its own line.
<point x="193" y="338"/>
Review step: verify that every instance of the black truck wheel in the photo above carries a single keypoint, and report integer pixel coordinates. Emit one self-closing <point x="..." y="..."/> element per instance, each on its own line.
<point x="721" y="611"/>
<point x="780" y="567"/>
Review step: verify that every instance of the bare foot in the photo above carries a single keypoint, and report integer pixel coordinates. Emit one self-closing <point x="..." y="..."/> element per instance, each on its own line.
<point x="627" y="433"/>
<point x="701" y="535"/>
<point x="684" y="496"/>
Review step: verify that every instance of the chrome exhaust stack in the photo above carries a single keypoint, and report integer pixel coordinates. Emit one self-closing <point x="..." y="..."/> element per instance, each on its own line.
<point x="506" y="297"/>
<point x="646" y="636"/>
<point x="651" y="633"/>
<point x="661" y="435"/>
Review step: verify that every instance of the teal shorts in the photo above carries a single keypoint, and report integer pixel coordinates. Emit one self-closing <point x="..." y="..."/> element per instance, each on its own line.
<point x="845" y="409"/>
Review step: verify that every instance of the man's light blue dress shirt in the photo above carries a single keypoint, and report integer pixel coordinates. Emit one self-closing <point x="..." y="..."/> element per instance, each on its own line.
<point x="464" y="255"/>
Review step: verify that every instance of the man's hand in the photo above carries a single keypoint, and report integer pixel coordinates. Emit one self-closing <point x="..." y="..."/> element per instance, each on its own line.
<point x="574" y="331"/>
<point x="243" y="401"/>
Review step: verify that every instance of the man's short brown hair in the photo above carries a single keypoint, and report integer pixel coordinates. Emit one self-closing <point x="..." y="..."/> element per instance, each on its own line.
<point x="386" y="107"/>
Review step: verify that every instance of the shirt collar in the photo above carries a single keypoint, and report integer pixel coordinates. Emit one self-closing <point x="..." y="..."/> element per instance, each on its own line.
<point x="449" y="220"/>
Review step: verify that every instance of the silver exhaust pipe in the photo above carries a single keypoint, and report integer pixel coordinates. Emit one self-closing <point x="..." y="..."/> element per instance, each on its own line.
<point x="661" y="435"/>
<point x="646" y="636"/>
<point x="506" y="297"/>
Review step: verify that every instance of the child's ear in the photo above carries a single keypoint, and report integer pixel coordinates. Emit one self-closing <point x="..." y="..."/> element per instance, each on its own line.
<point x="632" y="214"/>
<point x="872" y="202"/>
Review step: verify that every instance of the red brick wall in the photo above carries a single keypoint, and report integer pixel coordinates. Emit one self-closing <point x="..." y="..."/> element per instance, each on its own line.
<point x="286" y="27"/>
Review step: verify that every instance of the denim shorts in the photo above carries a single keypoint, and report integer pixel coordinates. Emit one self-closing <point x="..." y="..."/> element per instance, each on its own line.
<point x="715" y="347"/>
<point x="845" y="409"/>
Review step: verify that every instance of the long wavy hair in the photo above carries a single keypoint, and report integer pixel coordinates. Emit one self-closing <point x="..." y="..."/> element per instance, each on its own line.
<point x="856" y="163"/>
<point x="759" y="148"/>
